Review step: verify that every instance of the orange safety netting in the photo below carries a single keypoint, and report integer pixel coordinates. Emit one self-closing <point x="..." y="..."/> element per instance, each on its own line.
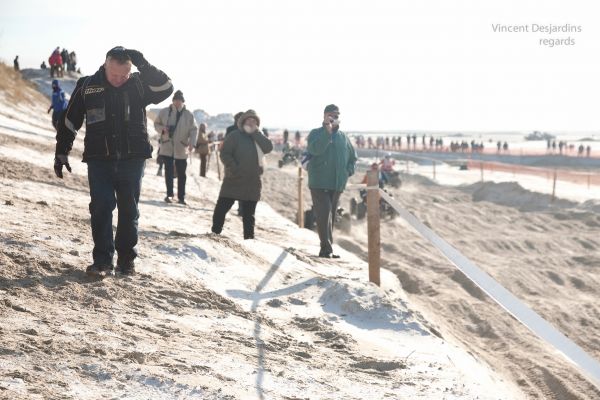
<point x="578" y="177"/>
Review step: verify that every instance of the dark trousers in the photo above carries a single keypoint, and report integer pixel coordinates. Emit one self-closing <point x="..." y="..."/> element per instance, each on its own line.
<point x="203" y="164"/>
<point x="181" y="166"/>
<point x="115" y="184"/>
<point x="324" y="205"/>
<point x="223" y="206"/>
<point x="55" y="117"/>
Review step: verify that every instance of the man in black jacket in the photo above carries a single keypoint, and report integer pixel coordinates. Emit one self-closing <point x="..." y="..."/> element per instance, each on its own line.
<point x="113" y="102"/>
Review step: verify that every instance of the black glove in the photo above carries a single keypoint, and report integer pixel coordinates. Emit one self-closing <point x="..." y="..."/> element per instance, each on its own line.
<point x="59" y="161"/>
<point x="137" y="58"/>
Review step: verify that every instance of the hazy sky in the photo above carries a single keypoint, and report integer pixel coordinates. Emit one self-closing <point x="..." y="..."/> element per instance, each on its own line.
<point x="426" y="65"/>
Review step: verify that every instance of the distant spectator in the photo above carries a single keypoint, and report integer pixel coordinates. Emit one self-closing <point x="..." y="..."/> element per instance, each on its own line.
<point x="588" y="151"/>
<point x="65" y="58"/>
<point x="43" y="65"/>
<point x="72" y="61"/>
<point x="212" y="136"/>
<point x="202" y="149"/>
<point x="16" y="63"/>
<point x="233" y="127"/>
<point x="286" y="136"/>
<point x="59" y="102"/>
<point x="56" y="64"/>
<point x="298" y="138"/>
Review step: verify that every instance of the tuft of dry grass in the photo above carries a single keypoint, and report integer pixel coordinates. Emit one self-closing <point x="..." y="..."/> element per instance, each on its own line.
<point x="16" y="89"/>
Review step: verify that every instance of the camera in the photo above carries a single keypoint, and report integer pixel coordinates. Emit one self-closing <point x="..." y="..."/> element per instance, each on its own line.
<point x="171" y="130"/>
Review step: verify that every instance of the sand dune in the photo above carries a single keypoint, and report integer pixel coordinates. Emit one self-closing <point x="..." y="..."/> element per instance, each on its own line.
<point x="547" y="254"/>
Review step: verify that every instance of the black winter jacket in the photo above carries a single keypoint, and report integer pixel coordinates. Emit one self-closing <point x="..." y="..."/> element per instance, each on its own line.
<point x="115" y="117"/>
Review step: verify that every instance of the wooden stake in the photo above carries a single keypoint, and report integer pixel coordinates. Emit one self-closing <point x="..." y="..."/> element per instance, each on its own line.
<point x="300" y="199"/>
<point x="373" y="223"/>
<point x="588" y="180"/>
<point x="554" y="186"/>
<point x="481" y="168"/>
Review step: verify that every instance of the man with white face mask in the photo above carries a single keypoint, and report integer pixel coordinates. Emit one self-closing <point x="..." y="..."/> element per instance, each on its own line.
<point x="333" y="161"/>
<point x="242" y="154"/>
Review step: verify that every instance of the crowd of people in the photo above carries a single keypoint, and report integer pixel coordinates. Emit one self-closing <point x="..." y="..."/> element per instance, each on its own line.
<point x="112" y="104"/>
<point x="399" y="142"/>
<point x="59" y="61"/>
<point x="567" y="148"/>
<point x="433" y="144"/>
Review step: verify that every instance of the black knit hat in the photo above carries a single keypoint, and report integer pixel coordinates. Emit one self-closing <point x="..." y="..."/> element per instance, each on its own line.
<point x="178" y="96"/>
<point x="332" y="108"/>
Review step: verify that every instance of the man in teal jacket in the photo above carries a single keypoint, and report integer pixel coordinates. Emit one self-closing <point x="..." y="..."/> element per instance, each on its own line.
<point x="332" y="161"/>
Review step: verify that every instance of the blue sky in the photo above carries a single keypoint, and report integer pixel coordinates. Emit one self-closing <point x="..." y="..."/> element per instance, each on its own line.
<point x="426" y="65"/>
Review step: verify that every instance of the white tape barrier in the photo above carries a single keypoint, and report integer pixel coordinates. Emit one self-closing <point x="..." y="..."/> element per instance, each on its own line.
<point x="359" y="186"/>
<point x="586" y="364"/>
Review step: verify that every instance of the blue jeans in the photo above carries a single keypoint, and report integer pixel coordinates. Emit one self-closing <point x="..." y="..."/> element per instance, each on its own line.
<point x="115" y="184"/>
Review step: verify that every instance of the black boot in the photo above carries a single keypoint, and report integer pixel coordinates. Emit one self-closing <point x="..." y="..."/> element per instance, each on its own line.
<point x="100" y="270"/>
<point x="126" y="268"/>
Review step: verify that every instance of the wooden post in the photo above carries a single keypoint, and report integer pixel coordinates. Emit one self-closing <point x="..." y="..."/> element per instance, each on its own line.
<point x="434" y="170"/>
<point x="589" y="179"/>
<point x="373" y="222"/>
<point x="481" y="168"/>
<point x="300" y="199"/>
<point x="554" y="186"/>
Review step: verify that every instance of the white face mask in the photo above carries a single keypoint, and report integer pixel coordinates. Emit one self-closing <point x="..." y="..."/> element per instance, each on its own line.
<point x="249" y="129"/>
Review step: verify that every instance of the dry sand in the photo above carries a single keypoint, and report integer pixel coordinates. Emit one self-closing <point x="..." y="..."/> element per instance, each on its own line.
<point x="548" y="257"/>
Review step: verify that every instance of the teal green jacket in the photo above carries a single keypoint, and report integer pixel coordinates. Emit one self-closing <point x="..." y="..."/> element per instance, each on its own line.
<point x="333" y="160"/>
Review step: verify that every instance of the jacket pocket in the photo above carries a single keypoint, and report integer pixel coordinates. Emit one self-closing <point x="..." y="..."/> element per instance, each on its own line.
<point x="95" y="145"/>
<point x="95" y="110"/>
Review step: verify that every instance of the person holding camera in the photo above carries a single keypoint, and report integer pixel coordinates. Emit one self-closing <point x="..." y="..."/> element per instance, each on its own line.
<point x="332" y="161"/>
<point x="178" y="130"/>
<point x="113" y="102"/>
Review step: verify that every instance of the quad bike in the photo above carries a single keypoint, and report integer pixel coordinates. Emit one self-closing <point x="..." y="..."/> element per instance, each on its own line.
<point x="359" y="207"/>
<point x="393" y="179"/>
<point x="342" y="220"/>
<point x="289" y="157"/>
